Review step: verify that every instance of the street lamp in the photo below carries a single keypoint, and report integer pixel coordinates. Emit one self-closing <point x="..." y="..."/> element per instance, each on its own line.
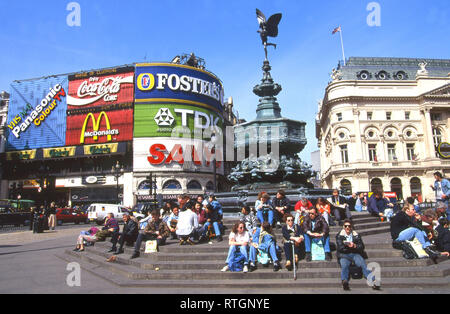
<point x="117" y="172"/>
<point x="151" y="178"/>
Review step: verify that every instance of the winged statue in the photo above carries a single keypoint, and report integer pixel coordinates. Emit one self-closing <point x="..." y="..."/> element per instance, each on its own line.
<point x="268" y="28"/>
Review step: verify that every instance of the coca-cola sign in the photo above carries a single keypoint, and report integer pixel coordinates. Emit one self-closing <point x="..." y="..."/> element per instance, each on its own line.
<point x="113" y="86"/>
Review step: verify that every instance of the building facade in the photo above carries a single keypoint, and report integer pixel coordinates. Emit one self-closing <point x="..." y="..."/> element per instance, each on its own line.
<point x="381" y="123"/>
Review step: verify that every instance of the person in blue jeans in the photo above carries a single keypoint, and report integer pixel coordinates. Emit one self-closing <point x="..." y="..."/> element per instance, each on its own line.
<point x="442" y="190"/>
<point x="350" y="249"/>
<point x="315" y="227"/>
<point x="212" y="217"/>
<point x="264" y="240"/>
<point x="216" y="206"/>
<point x="265" y="208"/>
<point x="238" y="241"/>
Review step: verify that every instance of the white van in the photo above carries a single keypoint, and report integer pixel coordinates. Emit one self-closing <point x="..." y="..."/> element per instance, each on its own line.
<point x="98" y="212"/>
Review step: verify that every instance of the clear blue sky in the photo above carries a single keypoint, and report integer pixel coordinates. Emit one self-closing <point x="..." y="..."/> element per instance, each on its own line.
<point x="36" y="41"/>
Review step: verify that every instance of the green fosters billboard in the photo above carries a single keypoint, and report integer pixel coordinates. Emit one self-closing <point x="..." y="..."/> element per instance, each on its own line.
<point x="174" y="120"/>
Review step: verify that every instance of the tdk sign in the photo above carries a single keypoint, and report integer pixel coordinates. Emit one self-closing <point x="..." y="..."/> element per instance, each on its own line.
<point x="169" y="82"/>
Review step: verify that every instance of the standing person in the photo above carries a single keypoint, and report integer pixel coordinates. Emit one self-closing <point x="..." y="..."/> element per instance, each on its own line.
<point x="155" y="230"/>
<point x="315" y="227"/>
<point x="281" y="205"/>
<point x="32" y="211"/>
<point x="291" y="233"/>
<point x="264" y="240"/>
<point x="350" y="249"/>
<point x="264" y="208"/>
<point x="340" y="207"/>
<point x="238" y="241"/>
<point x="52" y="216"/>
<point x="187" y="224"/>
<point x="129" y="234"/>
<point x="442" y="190"/>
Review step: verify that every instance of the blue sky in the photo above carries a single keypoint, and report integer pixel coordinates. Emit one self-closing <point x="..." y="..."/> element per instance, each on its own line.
<point x="36" y="41"/>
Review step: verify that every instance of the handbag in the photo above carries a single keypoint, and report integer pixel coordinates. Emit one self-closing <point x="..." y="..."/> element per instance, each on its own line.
<point x="420" y="252"/>
<point x="151" y="246"/>
<point x="355" y="271"/>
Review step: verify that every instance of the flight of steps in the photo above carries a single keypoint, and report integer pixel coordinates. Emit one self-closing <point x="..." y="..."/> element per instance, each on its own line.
<point x="199" y="266"/>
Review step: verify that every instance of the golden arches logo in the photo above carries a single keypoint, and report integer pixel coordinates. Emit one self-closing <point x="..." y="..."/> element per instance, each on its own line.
<point x="95" y="126"/>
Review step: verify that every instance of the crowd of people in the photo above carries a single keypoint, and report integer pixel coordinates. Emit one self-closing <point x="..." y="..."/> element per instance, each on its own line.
<point x="305" y="229"/>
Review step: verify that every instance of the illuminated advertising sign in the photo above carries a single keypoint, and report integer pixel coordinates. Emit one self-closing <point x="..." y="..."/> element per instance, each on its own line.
<point x="160" y="120"/>
<point x="100" y="127"/>
<point x="444" y="150"/>
<point x="174" y="83"/>
<point x="21" y="155"/>
<point x="59" y="152"/>
<point x="101" y="88"/>
<point x="37" y="113"/>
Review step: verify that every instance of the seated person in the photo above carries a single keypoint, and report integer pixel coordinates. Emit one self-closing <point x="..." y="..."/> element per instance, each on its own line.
<point x="238" y="241"/>
<point x="281" y="205"/>
<point x="303" y="205"/>
<point x="361" y="203"/>
<point x="378" y="205"/>
<point x="443" y="238"/>
<point x="315" y="227"/>
<point x="324" y="208"/>
<point x="212" y="218"/>
<point x="111" y="227"/>
<point x="201" y="219"/>
<point x="165" y="212"/>
<point x="350" y="248"/>
<point x="173" y="220"/>
<point x="340" y="207"/>
<point x="264" y="240"/>
<point x="407" y="225"/>
<point x="187" y="224"/>
<point x="248" y="218"/>
<point x="264" y="208"/>
<point x="216" y="206"/>
<point x="129" y="234"/>
<point x="292" y="234"/>
<point x="88" y="236"/>
<point x="155" y="230"/>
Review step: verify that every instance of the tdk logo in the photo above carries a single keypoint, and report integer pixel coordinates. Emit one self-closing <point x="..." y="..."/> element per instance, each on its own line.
<point x="202" y="120"/>
<point x="164" y="117"/>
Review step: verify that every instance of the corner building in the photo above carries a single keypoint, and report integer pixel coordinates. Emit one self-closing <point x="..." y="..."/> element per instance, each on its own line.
<point x="382" y="123"/>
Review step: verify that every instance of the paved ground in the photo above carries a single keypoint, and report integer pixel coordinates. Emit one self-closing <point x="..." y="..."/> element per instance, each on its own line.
<point x="28" y="265"/>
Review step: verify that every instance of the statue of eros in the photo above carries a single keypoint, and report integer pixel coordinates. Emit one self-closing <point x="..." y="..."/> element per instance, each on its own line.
<point x="268" y="28"/>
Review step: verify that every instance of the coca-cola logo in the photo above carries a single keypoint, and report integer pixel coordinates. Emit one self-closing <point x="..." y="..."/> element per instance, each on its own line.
<point x="94" y="88"/>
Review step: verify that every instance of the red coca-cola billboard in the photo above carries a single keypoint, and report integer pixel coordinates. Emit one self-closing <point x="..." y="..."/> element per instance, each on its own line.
<point x="101" y="88"/>
<point x="100" y="127"/>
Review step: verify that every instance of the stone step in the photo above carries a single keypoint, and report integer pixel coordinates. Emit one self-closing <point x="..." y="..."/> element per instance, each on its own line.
<point x="127" y="271"/>
<point x="269" y="285"/>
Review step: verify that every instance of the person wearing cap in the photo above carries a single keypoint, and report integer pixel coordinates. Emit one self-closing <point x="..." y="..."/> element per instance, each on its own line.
<point x="442" y="189"/>
<point x="129" y="234"/>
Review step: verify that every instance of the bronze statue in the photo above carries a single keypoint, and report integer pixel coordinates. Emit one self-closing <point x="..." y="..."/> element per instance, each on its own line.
<point x="268" y="28"/>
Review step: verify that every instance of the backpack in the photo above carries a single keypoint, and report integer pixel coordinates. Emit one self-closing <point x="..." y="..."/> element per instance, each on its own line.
<point x="236" y="263"/>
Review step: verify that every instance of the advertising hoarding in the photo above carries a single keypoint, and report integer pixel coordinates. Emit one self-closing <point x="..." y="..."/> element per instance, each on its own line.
<point x="37" y="113"/>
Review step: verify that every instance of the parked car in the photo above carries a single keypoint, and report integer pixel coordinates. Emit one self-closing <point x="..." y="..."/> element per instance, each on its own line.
<point x="98" y="212"/>
<point x="15" y="212"/>
<point x="64" y="215"/>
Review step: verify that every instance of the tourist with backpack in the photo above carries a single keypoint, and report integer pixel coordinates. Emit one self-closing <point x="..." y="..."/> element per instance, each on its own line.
<point x="238" y="240"/>
<point x="263" y="247"/>
<point x="350" y="251"/>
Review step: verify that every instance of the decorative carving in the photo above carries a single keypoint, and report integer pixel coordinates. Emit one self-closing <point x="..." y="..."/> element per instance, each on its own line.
<point x="422" y="71"/>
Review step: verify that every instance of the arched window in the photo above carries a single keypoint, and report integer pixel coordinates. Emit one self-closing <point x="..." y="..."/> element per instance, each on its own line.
<point x="194" y="185"/>
<point x="172" y="185"/>
<point x="376" y="185"/>
<point x="346" y="187"/>
<point x="396" y="186"/>
<point x="209" y="186"/>
<point x="145" y="185"/>
<point x="437" y="139"/>
<point x="416" y="188"/>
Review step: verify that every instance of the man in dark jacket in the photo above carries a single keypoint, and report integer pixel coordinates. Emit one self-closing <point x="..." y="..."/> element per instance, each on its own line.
<point x="339" y="207"/>
<point x="129" y="234"/>
<point x="407" y="225"/>
<point x="292" y="235"/>
<point x="350" y="249"/>
<point x="315" y="227"/>
<point x="282" y="205"/>
<point x="377" y="204"/>
<point x="443" y="240"/>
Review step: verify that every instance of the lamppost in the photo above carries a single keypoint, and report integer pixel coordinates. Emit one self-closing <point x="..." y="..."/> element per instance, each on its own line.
<point x="152" y="179"/>
<point x="117" y="172"/>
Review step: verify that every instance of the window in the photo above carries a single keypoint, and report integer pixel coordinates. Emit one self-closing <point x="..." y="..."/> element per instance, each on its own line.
<point x="339" y="116"/>
<point x="172" y="185"/>
<point x="194" y="185"/>
<point x="376" y="185"/>
<point x="436" y="117"/>
<point x="391" y="152"/>
<point x="209" y="186"/>
<point x="369" y="115"/>
<point x="373" y="152"/>
<point x="437" y="137"/>
<point x="410" y="152"/>
<point x="407" y="115"/>
<point x="344" y="154"/>
<point x="388" y="115"/>
<point x="346" y="187"/>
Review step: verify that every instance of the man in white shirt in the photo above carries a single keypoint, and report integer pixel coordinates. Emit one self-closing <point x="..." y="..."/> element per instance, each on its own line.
<point x="187" y="224"/>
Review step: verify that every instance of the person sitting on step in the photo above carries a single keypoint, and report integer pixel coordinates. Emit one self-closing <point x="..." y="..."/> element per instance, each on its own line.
<point x="315" y="227"/>
<point x="129" y="234"/>
<point x="407" y="225"/>
<point x="155" y="230"/>
<point x="264" y="243"/>
<point x="88" y="236"/>
<point x="212" y="218"/>
<point x="350" y="249"/>
<point x="281" y="205"/>
<point x="173" y="220"/>
<point x="238" y="240"/>
<point x="248" y="218"/>
<point x="378" y="205"/>
<point x="324" y="208"/>
<point x="443" y="238"/>
<point x="339" y="207"/>
<point x="265" y="208"/>
<point x="201" y="218"/>
<point x="187" y="224"/>
<point x="292" y="235"/>
<point x="111" y="227"/>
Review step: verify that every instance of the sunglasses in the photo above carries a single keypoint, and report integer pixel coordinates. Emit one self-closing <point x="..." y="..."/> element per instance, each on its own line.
<point x="347" y="226"/>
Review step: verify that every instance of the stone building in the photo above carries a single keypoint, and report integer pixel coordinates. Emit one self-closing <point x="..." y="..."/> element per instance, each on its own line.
<point x="380" y="124"/>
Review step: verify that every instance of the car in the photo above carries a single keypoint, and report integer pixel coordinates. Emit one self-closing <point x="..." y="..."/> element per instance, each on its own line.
<point x="10" y="217"/>
<point x="64" y="215"/>
<point x="98" y="212"/>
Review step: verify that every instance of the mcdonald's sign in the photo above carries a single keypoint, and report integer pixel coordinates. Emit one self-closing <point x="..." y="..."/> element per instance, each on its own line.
<point x="100" y="127"/>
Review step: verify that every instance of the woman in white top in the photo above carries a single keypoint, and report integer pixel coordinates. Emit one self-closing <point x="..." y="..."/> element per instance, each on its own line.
<point x="238" y="240"/>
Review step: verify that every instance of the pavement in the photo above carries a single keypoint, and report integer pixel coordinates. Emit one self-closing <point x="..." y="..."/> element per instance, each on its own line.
<point x="28" y="265"/>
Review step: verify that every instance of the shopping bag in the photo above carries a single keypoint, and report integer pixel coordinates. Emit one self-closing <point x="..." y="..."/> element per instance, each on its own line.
<point x="420" y="252"/>
<point x="317" y="251"/>
<point x="151" y="246"/>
